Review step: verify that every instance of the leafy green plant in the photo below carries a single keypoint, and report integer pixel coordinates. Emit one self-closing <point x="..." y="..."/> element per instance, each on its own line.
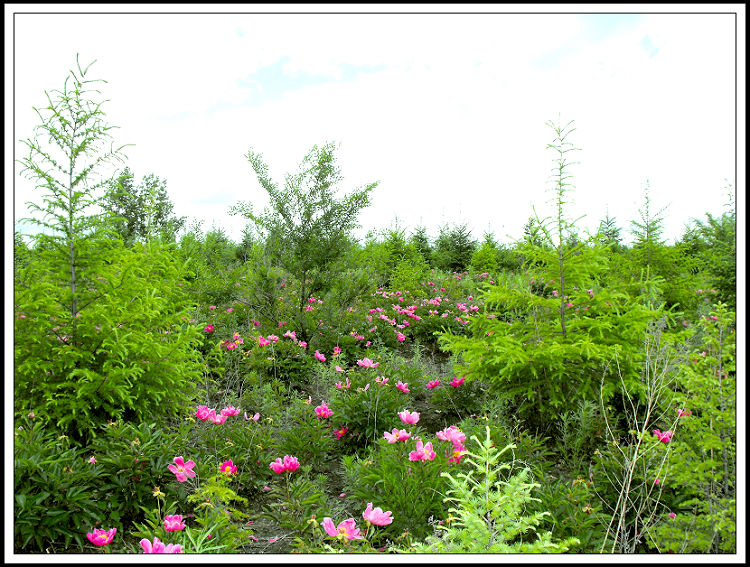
<point x="294" y="501"/>
<point x="487" y="513"/>
<point x="56" y="499"/>
<point x="581" y="430"/>
<point x="413" y="491"/>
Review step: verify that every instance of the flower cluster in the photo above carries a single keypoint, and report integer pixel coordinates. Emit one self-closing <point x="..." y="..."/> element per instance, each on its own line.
<point x="457" y="438"/>
<point x="665" y="437"/>
<point x="287" y="464"/>
<point x="159" y="547"/>
<point x="204" y="413"/>
<point x="323" y="410"/>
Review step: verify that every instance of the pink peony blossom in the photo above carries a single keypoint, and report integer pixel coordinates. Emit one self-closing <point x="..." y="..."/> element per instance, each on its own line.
<point x="262" y="341"/>
<point x="452" y="434"/>
<point x="347" y="528"/>
<point x="209" y="328"/>
<point x="102" y="537"/>
<point x="278" y="466"/>
<point x="456" y="382"/>
<point x="665" y="437"/>
<point x="367" y="363"/>
<point x="256" y="417"/>
<point x="218" y="419"/>
<point x="323" y="410"/>
<point x="158" y="547"/>
<point x="681" y="413"/>
<point x="433" y="384"/>
<point x="397" y="435"/>
<point x="92" y="460"/>
<point x="202" y="413"/>
<point x="291" y="463"/>
<point x="230" y="410"/>
<point x="341" y="432"/>
<point x="182" y="469"/>
<point x="376" y="516"/>
<point x="228" y="467"/>
<point x="409" y="417"/>
<point x="336" y="351"/>
<point x="422" y="452"/>
<point x="403" y="387"/>
<point x="319" y="356"/>
<point x="173" y="523"/>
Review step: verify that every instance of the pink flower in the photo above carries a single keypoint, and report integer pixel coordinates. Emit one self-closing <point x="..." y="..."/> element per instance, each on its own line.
<point x="336" y="351"/>
<point x="665" y="437"/>
<point x="433" y="384"/>
<point x="272" y="338"/>
<point x="92" y="460"/>
<point x="323" y="410"/>
<point x="218" y="419"/>
<point x="290" y="463"/>
<point x="452" y="434"/>
<point x="231" y="346"/>
<point x="347" y="528"/>
<point x="401" y="337"/>
<point x="403" y="387"/>
<point x="173" y="523"/>
<point x="377" y="517"/>
<point x="319" y="356"/>
<point x="656" y="481"/>
<point x="278" y="466"/>
<point x="182" y="469"/>
<point x="672" y="515"/>
<point x="211" y="307"/>
<point x="228" y="467"/>
<point x="681" y="413"/>
<point x="158" y="547"/>
<point x="262" y="341"/>
<point x="409" y="417"/>
<point x="203" y="413"/>
<point x="397" y="435"/>
<point x="456" y="382"/>
<point x="341" y="432"/>
<point x="229" y="410"/>
<point x="256" y="417"/>
<point x="209" y="328"/>
<point x="367" y="363"/>
<point x="422" y="452"/>
<point x="102" y="537"/>
<point x="230" y="309"/>
<point x="303" y="344"/>
<point x="339" y="369"/>
<point x="455" y="455"/>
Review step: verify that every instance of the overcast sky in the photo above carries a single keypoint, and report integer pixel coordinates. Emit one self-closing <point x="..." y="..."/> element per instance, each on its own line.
<point x="447" y="111"/>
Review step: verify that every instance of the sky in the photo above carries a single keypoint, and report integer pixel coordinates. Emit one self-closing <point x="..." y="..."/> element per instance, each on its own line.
<point x="448" y="112"/>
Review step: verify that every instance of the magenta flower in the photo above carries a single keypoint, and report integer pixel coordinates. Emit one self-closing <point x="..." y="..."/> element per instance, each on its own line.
<point x="339" y="369"/>
<point x="230" y="410"/>
<point x="672" y="515"/>
<point x="291" y="463"/>
<point x="377" y="517"/>
<point x="102" y="537"/>
<point x="256" y="417"/>
<point x="347" y="528"/>
<point x="367" y="363"/>
<point x="159" y="547"/>
<point x="665" y="437"/>
<point x="303" y="344"/>
<point x="173" y="523"/>
<point x="452" y="434"/>
<point x="278" y="466"/>
<point x="433" y="384"/>
<point x="422" y="452"/>
<point x="323" y="410"/>
<point x="336" y="351"/>
<point x="403" y="387"/>
<point x="401" y="337"/>
<point x="92" y="460"/>
<point x="455" y="455"/>
<point x="230" y="309"/>
<point x="262" y="341"/>
<point x="228" y="467"/>
<point x="409" y="417"/>
<point x="209" y="328"/>
<point x="217" y="419"/>
<point x="456" y="382"/>
<point x="231" y="346"/>
<point x="319" y="356"/>
<point x="182" y="469"/>
<point x="203" y="413"/>
<point x="341" y="432"/>
<point x="681" y="413"/>
<point x="211" y="307"/>
<point x="397" y="435"/>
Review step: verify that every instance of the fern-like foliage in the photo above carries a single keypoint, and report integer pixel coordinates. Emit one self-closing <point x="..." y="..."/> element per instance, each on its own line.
<point x="487" y="513"/>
